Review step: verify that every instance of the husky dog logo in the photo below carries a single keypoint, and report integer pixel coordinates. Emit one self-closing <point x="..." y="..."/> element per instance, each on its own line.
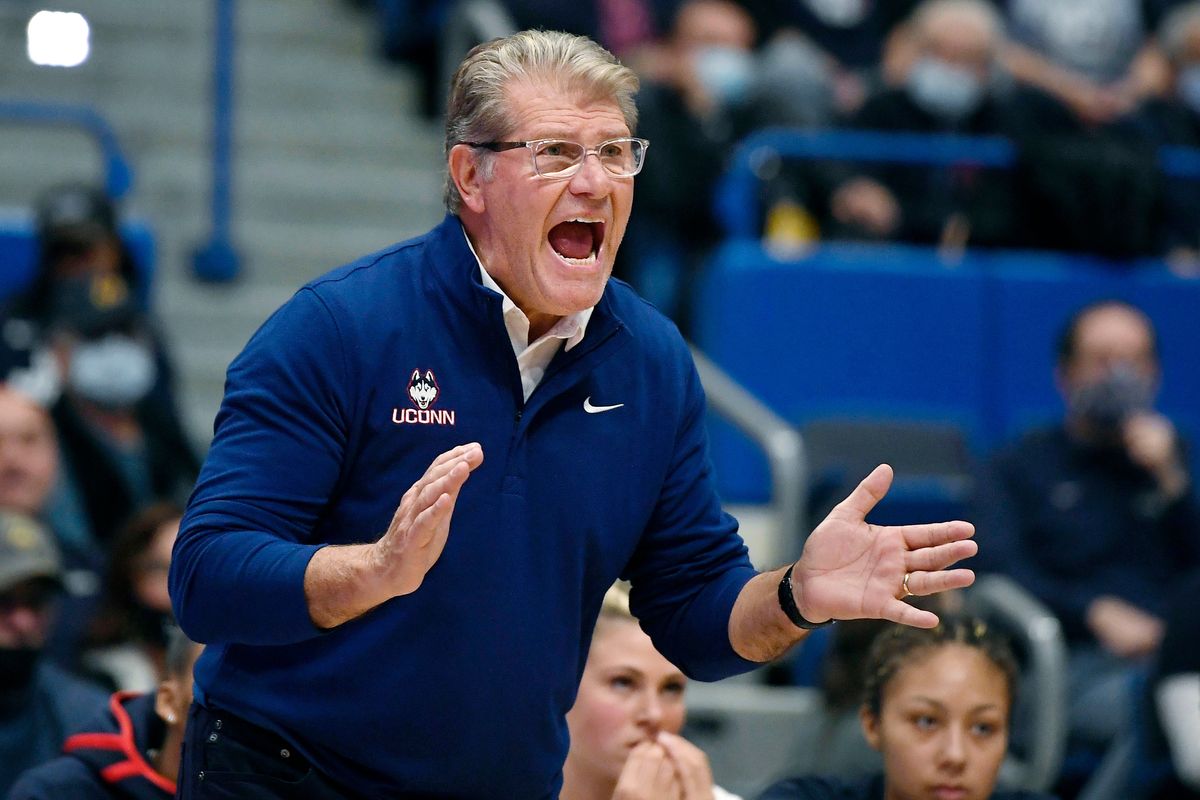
<point x="423" y="389"/>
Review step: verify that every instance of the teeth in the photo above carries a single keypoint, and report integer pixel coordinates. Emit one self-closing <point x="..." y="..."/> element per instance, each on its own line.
<point x="584" y="219"/>
<point x="580" y="262"/>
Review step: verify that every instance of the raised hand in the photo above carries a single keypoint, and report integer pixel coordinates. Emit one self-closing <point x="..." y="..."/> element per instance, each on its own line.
<point x="344" y="582"/>
<point x="417" y="535"/>
<point x="854" y="570"/>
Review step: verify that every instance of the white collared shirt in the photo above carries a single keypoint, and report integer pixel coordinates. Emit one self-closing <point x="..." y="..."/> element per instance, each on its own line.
<point x="533" y="358"/>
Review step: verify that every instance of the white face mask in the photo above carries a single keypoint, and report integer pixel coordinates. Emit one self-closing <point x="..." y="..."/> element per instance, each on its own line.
<point x="1188" y="86"/>
<point x="947" y="91"/>
<point x="727" y="73"/>
<point x="115" y="371"/>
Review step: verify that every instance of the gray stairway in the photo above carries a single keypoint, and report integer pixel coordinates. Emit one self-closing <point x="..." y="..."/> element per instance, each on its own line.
<point x="331" y="159"/>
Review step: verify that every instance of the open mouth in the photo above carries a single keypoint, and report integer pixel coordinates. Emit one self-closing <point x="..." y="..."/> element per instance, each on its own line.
<point x="577" y="241"/>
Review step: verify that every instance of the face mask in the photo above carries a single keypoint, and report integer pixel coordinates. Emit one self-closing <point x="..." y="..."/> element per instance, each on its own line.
<point x="1105" y="404"/>
<point x="1189" y="87"/>
<point x="114" y="372"/>
<point x="944" y="90"/>
<point x="726" y="72"/>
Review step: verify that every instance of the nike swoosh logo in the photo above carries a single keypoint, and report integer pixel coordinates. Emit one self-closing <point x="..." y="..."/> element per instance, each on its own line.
<point x="591" y="409"/>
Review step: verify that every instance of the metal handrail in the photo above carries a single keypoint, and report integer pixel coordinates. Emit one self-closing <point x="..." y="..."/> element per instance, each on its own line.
<point x="118" y="177"/>
<point x="1000" y="598"/>
<point x="217" y="259"/>
<point x="783" y="446"/>
<point x="468" y="23"/>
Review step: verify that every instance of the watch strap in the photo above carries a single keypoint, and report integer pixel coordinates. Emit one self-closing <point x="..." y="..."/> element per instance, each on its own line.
<point x="787" y="601"/>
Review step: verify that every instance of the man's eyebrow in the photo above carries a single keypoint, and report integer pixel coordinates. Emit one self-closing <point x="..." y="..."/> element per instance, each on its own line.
<point x="571" y="137"/>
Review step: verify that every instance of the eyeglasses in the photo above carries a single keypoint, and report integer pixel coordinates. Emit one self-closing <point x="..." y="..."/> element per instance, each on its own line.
<point x="559" y="158"/>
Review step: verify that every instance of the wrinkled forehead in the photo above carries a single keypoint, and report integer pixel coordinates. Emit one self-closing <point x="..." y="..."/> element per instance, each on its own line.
<point x="565" y="101"/>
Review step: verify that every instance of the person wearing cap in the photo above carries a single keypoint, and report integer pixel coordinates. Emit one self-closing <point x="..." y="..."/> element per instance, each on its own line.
<point x="78" y="236"/>
<point x="40" y="703"/>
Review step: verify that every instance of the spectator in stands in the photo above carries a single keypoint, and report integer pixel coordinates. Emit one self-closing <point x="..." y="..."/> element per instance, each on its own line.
<point x="949" y="87"/>
<point x="32" y="483"/>
<point x="703" y="99"/>
<point x="1097" y="516"/>
<point x="131" y="750"/>
<point x="1096" y="58"/>
<point x="626" y="720"/>
<point x="129" y="636"/>
<point x="851" y="35"/>
<point x="1089" y="179"/>
<point x="936" y="705"/>
<point x="125" y="447"/>
<point x="40" y="703"/>
<point x="78" y="236"/>
<point x="1174" y="119"/>
<point x="87" y="277"/>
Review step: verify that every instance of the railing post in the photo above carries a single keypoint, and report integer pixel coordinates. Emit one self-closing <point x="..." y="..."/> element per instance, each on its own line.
<point x="217" y="259"/>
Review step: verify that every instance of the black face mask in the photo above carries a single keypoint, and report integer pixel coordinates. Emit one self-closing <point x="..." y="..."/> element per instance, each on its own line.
<point x="18" y="667"/>
<point x="149" y="626"/>
<point x="1107" y="403"/>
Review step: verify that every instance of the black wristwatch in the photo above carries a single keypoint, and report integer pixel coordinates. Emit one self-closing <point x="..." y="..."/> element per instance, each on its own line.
<point x="788" y="603"/>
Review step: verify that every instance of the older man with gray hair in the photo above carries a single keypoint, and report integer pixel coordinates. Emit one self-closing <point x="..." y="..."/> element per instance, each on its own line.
<point x="360" y="648"/>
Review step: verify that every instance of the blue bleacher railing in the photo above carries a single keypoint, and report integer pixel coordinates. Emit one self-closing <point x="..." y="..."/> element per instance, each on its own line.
<point x="217" y="259"/>
<point x="737" y="196"/>
<point x="118" y="177"/>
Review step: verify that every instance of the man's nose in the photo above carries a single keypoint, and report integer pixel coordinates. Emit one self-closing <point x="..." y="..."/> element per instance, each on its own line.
<point x="592" y="179"/>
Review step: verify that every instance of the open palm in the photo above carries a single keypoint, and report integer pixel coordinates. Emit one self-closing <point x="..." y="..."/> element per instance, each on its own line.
<point x="851" y="569"/>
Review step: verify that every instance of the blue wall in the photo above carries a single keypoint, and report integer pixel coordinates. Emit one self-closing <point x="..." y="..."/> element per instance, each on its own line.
<point x="892" y="332"/>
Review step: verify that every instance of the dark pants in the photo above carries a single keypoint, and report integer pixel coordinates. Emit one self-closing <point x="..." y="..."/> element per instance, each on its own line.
<point x="227" y="757"/>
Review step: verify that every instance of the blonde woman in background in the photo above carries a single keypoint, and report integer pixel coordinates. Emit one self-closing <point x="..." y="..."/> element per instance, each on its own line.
<point x="625" y="742"/>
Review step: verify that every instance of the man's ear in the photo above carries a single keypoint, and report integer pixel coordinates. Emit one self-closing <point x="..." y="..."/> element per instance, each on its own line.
<point x="870" y="726"/>
<point x="465" y="172"/>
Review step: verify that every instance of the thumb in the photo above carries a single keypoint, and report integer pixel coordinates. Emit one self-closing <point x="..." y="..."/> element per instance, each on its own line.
<point x="867" y="494"/>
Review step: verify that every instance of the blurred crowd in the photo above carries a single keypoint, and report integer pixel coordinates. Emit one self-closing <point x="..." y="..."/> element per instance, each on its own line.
<point x="94" y="469"/>
<point x="1088" y="90"/>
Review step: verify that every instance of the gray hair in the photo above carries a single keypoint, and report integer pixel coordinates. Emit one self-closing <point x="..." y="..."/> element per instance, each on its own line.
<point x="1174" y="29"/>
<point x="478" y="109"/>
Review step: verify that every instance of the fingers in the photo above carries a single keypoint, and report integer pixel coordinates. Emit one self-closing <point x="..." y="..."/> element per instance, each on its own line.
<point x="933" y="534"/>
<point x="924" y="583"/>
<point x="691" y="765"/>
<point x="940" y="556"/>
<point x="903" y="613"/>
<point x="869" y="492"/>
<point x="648" y="773"/>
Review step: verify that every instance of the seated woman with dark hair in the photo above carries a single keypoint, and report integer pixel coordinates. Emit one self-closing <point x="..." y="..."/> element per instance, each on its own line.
<point x="936" y="706"/>
<point x="626" y="720"/>
<point x="132" y="750"/>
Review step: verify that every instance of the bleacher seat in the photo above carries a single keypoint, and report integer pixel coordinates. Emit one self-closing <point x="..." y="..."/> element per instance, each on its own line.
<point x="19" y="254"/>
<point x="893" y="332"/>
